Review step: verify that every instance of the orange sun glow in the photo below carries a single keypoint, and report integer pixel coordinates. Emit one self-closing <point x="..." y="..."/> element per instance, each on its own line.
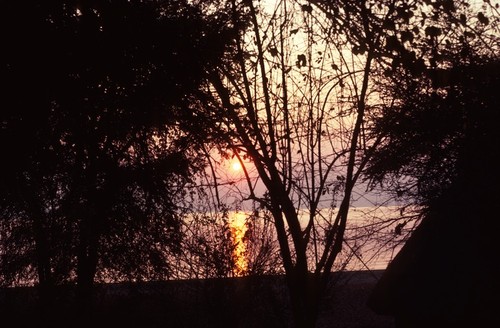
<point x="236" y="166"/>
<point x="238" y="229"/>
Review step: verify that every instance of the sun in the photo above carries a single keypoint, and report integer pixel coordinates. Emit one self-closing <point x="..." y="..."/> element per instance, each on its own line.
<point x="236" y="166"/>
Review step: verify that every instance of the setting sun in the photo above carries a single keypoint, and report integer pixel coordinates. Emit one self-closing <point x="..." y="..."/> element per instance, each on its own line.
<point x="236" y="166"/>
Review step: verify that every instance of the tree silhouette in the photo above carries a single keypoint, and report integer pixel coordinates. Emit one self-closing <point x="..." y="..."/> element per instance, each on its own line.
<point x="97" y="100"/>
<point x="293" y="105"/>
<point x="439" y="139"/>
<point x="447" y="155"/>
<point x="299" y="103"/>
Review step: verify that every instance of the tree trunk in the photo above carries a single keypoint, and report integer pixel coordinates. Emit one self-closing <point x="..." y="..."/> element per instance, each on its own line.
<point x="305" y="296"/>
<point x="86" y="270"/>
<point x="45" y="287"/>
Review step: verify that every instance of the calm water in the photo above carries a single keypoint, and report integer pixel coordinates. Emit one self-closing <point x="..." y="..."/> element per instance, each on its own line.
<point x="371" y="238"/>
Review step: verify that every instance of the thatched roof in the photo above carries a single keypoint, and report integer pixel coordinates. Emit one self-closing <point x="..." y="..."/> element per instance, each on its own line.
<point x="447" y="271"/>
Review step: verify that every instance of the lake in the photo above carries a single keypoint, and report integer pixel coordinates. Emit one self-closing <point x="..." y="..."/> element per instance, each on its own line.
<point x="374" y="235"/>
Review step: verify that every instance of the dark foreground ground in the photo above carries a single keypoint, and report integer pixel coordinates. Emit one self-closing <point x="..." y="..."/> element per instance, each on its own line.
<point x="240" y="302"/>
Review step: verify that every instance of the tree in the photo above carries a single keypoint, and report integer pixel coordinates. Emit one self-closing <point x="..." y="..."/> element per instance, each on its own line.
<point x="293" y="106"/>
<point x="297" y="107"/>
<point x="219" y="243"/>
<point x="436" y="109"/>
<point x="439" y="138"/>
<point x="97" y="103"/>
<point x="414" y="43"/>
<point x="455" y="181"/>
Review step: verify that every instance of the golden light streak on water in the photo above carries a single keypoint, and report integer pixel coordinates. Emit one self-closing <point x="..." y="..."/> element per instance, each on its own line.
<point x="238" y="226"/>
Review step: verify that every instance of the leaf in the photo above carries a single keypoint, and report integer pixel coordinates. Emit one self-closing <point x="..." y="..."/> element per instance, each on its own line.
<point x="463" y="19"/>
<point x="389" y="25"/>
<point x="404" y="14"/>
<point x="470" y="35"/>
<point x="307" y="8"/>
<point x="359" y="50"/>
<point x="432" y="31"/>
<point x="392" y="43"/>
<point x="406" y="36"/>
<point x="294" y="31"/>
<point x="483" y="19"/>
<point x="449" y="6"/>
<point x="301" y="60"/>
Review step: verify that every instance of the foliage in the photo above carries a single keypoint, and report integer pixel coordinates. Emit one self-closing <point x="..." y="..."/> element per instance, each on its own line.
<point x="97" y="103"/>
<point x="441" y="134"/>
<point x="441" y="114"/>
<point x="299" y="105"/>
<point x="292" y="107"/>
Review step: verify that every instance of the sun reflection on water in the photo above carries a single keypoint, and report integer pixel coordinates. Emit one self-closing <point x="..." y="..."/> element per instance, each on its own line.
<point x="238" y="226"/>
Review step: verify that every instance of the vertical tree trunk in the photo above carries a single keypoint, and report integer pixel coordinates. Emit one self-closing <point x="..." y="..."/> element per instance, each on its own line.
<point x="86" y="270"/>
<point x="45" y="286"/>
<point x="305" y="295"/>
<point x="42" y="259"/>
